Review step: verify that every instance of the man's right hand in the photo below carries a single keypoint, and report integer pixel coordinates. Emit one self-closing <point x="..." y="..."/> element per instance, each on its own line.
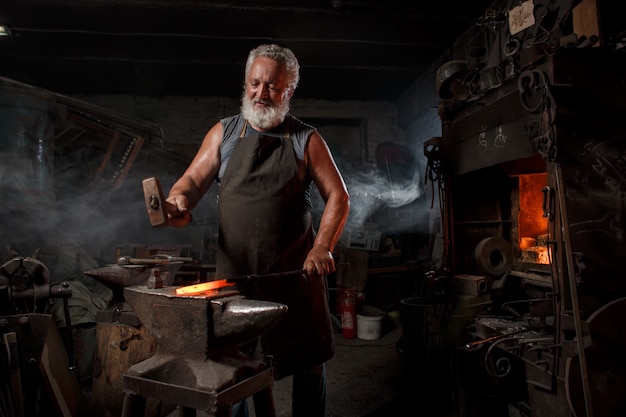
<point x="178" y="214"/>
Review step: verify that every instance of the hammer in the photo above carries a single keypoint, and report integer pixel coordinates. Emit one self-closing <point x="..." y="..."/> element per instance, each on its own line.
<point x="155" y="202"/>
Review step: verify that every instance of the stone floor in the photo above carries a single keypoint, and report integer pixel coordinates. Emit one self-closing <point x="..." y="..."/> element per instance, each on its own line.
<point x="363" y="377"/>
<point x="367" y="378"/>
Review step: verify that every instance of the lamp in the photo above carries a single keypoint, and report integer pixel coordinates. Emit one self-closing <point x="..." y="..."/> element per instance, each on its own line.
<point x="5" y="30"/>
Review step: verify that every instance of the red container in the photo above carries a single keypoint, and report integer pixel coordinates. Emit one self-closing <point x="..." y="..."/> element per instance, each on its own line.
<point x="347" y="310"/>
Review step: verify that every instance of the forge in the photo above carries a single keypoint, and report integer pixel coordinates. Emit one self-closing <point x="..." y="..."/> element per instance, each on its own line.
<point x="532" y="179"/>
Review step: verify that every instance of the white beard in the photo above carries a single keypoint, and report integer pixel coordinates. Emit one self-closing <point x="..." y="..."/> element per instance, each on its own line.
<point x="263" y="117"/>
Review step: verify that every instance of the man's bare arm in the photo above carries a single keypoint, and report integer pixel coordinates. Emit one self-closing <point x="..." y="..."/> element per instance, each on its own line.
<point x="333" y="191"/>
<point x="197" y="178"/>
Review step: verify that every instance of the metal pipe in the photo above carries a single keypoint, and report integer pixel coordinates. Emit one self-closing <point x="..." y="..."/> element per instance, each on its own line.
<point x="250" y="277"/>
<point x="573" y="292"/>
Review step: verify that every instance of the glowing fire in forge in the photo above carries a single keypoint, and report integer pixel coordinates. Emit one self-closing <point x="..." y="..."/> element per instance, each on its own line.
<point x="533" y="226"/>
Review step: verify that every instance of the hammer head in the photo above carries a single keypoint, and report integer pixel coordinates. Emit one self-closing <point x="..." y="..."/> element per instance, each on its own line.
<point x="155" y="202"/>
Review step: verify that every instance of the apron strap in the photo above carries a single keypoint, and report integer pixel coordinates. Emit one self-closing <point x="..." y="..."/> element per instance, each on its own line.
<point x="243" y="129"/>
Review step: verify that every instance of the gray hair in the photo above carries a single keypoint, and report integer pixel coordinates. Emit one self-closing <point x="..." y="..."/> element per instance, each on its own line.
<point x="280" y="54"/>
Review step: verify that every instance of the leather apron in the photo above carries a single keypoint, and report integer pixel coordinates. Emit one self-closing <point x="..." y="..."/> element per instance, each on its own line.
<point x="265" y="226"/>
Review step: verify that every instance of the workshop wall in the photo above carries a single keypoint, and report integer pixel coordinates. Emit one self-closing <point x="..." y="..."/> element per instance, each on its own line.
<point x="185" y="120"/>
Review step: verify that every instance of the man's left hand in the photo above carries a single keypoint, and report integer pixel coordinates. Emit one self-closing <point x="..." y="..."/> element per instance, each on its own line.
<point x="319" y="261"/>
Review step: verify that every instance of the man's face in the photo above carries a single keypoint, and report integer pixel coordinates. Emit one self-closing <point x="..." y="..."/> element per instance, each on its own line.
<point x="265" y="101"/>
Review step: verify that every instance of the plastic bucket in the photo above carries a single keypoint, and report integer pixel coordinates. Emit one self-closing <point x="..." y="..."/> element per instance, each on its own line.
<point x="369" y="322"/>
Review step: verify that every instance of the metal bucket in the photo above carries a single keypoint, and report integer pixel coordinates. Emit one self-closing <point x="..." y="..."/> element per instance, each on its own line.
<point x="424" y="324"/>
<point x="426" y="354"/>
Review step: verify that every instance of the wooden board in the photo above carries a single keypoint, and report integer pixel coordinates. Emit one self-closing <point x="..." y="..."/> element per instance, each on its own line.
<point x="118" y="347"/>
<point x="61" y="381"/>
<point x="585" y="19"/>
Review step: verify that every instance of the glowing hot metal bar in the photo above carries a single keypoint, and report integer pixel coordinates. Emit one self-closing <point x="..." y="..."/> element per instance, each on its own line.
<point x="201" y="288"/>
<point x="197" y="289"/>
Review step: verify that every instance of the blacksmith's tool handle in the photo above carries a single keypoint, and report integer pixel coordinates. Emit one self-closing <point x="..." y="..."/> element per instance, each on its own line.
<point x="478" y="343"/>
<point x="15" y="379"/>
<point x="166" y="260"/>
<point x="69" y="337"/>
<point x="250" y="277"/>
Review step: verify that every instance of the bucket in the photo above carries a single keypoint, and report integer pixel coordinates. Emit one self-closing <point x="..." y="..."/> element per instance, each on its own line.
<point x="424" y="346"/>
<point x="369" y="322"/>
<point x="424" y="323"/>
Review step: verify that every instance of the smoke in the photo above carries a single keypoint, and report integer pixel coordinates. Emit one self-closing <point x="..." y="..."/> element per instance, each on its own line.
<point x="371" y="193"/>
<point x="52" y="198"/>
<point x="385" y="196"/>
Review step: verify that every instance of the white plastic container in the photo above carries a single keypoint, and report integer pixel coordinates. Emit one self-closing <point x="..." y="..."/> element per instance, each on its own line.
<point x="369" y="322"/>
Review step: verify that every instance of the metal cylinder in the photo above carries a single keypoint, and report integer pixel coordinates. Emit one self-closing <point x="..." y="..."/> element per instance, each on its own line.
<point x="348" y="315"/>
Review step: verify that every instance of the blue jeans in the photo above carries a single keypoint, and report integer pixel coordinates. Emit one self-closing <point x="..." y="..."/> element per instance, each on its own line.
<point x="240" y="409"/>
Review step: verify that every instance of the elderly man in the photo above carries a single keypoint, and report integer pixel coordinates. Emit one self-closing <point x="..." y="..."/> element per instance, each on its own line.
<point x="265" y="161"/>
